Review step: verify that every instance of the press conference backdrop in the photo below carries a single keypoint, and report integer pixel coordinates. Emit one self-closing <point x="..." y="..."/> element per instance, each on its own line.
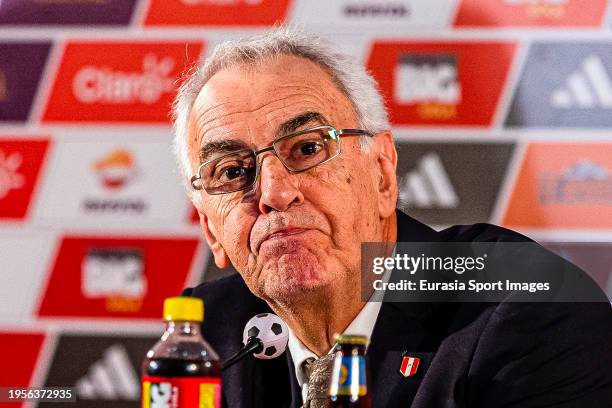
<point x="502" y="111"/>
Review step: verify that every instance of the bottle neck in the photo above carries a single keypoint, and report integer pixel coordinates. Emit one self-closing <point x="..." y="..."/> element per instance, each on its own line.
<point x="183" y="328"/>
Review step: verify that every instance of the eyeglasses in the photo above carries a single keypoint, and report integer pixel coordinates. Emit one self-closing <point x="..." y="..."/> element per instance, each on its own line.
<point x="299" y="151"/>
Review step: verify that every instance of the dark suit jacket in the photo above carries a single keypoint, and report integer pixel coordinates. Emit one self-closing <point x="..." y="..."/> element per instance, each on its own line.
<point x="472" y="354"/>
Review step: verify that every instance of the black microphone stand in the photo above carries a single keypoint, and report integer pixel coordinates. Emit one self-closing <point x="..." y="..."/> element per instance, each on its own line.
<point x="253" y="345"/>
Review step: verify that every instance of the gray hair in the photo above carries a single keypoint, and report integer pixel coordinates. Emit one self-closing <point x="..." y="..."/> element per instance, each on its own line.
<point x="350" y="76"/>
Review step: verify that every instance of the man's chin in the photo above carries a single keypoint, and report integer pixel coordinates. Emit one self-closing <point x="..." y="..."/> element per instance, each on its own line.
<point x="289" y="287"/>
<point x="292" y="274"/>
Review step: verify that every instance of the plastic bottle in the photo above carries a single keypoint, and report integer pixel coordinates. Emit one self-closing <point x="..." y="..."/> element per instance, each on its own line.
<point x="182" y="370"/>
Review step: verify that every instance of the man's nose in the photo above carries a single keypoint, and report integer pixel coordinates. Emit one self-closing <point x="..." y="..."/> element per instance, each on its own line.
<point x="279" y="189"/>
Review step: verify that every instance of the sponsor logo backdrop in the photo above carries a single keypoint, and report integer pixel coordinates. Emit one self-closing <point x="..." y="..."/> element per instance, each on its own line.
<point x="499" y="116"/>
<point x="442" y="83"/>
<point x="564" y="85"/>
<point x="116" y="359"/>
<point x="118" y="81"/>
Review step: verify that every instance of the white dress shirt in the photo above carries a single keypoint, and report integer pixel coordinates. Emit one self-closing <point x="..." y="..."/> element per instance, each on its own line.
<point x="363" y="325"/>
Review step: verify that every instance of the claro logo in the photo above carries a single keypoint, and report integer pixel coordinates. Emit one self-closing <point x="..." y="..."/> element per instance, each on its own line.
<point x="103" y="84"/>
<point x="119" y="82"/>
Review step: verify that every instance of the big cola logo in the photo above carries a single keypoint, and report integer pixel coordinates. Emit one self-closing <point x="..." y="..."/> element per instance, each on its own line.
<point x="431" y="83"/>
<point x="428" y="78"/>
<point x="102" y="84"/>
<point x="161" y="395"/>
<point x="448" y="83"/>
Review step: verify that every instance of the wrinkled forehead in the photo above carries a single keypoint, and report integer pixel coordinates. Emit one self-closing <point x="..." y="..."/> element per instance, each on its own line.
<point x="253" y="104"/>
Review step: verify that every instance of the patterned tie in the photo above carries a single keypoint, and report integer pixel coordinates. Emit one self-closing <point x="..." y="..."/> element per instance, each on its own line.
<point x="319" y="374"/>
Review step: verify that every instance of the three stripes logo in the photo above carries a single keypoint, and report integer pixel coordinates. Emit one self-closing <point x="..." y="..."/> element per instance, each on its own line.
<point x="428" y="185"/>
<point x="587" y="87"/>
<point x="111" y="378"/>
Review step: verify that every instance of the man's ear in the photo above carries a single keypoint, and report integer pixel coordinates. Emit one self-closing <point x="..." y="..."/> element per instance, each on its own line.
<point x="387" y="183"/>
<point x="221" y="258"/>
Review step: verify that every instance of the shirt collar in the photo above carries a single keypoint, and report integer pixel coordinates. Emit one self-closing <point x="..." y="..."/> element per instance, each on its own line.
<point x="362" y="324"/>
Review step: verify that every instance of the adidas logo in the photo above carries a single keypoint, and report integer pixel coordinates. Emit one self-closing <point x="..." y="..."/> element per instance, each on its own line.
<point x="587" y="87"/>
<point x="111" y="378"/>
<point x="428" y="186"/>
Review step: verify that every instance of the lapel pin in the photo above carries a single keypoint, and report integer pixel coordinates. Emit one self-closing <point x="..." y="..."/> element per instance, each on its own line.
<point x="409" y="366"/>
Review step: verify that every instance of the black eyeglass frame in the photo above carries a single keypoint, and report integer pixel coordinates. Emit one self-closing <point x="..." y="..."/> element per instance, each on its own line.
<point x="338" y="132"/>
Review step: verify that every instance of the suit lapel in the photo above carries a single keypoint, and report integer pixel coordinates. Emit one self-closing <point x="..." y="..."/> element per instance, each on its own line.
<point x="398" y="327"/>
<point x="411" y="230"/>
<point x="401" y="328"/>
<point x="296" y="392"/>
<point x="253" y="383"/>
<point x="234" y="381"/>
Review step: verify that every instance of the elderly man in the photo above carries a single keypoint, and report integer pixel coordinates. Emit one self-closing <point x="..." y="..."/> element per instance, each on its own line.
<point x="292" y="164"/>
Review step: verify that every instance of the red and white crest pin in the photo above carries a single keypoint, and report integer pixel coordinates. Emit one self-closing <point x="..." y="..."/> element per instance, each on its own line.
<point x="409" y="366"/>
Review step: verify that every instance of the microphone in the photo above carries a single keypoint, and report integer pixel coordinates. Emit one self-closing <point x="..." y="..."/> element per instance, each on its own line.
<point x="265" y="336"/>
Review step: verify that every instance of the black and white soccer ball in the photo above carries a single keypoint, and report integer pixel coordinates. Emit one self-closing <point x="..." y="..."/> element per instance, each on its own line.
<point x="271" y="330"/>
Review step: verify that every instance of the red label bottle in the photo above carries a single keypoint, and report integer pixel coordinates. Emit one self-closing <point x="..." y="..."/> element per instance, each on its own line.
<point x="182" y="370"/>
